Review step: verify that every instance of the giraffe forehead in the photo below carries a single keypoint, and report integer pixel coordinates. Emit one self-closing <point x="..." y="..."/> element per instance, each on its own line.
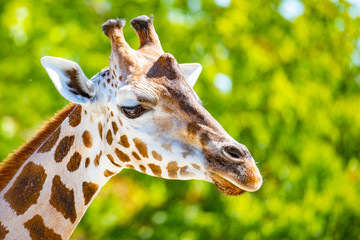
<point x="155" y="80"/>
<point x="150" y="69"/>
<point x="127" y="96"/>
<point x="154" y="90"/>
<point x="142" y="61"/>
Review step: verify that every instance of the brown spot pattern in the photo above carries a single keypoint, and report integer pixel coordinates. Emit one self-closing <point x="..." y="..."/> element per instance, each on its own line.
<point x="115" y="127"/>
<point x="49" y="144"/>
<point x="109" y="137"/>
<point x="100" y="128"/>
<point x="97" y="159"/>
<point x="130" y="166"/>
<point x="142" y="168"/>
<point x="38" y="230"/>
<point x="3" y="231"/>
<point x="124" y="141"/>
<point x="184" y="172"/>
<point x="74" y="162"/>
<point x="136" y="156"/>
<point x="62" y="199"/>
<point x="195" y="166"/>
<point x="89" y="189"/>
<point x="172" y="169"/>
<point x="75" y="116"/>
<point x="108" y="173"/>
<point x="156" y="155"/>
<point x="110" y="157"/>
<point x="155" y="169"/>
<point x="166" y="146"/>
<point x="141" y="146"/>
<point x="26" y="189"/>
<point x="120" y="120"/>
<point x="165" y="66"/>
<point x="11" y="165"/>
<point x="122" y="156"/>
<point x="87" y="162"/>
<point x="87" y="139"/>
<point x="63" y="148"/>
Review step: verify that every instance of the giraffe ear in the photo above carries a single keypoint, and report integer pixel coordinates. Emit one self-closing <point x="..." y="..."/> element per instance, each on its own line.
<point x="69" y="79"/>
<point x="191" y="72"/>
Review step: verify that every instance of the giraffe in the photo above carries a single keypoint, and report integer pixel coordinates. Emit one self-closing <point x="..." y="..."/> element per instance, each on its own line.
<point x="140" y="113"/>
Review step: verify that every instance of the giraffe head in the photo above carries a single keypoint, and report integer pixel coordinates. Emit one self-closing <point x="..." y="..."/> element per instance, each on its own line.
<point x="149" y="118"/>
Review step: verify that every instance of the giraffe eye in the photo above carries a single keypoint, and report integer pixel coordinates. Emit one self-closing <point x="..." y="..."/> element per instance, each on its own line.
<point x="133" y="112"/>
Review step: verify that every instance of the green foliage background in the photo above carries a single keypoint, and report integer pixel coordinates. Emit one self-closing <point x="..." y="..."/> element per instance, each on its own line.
<point x="294" y="103"/>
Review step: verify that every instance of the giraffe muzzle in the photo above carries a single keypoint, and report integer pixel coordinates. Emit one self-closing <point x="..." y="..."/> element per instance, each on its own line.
<point x="234" y="171"/>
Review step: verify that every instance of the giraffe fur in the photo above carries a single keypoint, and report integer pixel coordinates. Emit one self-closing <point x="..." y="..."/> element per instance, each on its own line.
<point x="139" y="113"/>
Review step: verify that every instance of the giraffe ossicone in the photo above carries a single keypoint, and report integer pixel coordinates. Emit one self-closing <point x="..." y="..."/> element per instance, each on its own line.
<point x="140" y="113"/>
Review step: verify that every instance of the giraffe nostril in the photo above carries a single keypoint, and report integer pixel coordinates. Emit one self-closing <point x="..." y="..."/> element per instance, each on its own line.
<point x="234" y="152"/>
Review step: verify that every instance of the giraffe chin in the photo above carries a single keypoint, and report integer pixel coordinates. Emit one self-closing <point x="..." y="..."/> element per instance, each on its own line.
<point x="225" y="187"/>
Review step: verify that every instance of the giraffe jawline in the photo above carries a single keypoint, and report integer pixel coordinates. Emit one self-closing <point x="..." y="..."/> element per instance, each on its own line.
<point x="225" y="186"/>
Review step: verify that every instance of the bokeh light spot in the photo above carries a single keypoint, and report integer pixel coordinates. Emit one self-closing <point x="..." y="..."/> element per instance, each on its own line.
<point x="291" y="9"/>
<point x="222" y="3"/>
<point x="223" y="83"/>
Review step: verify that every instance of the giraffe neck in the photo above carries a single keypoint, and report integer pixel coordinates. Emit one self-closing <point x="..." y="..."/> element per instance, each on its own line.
<point x="51" y="190"/>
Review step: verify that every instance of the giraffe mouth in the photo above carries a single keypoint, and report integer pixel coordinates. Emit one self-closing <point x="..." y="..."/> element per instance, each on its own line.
<point x="226" y="187"/>
<point x="233" y="179"/>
